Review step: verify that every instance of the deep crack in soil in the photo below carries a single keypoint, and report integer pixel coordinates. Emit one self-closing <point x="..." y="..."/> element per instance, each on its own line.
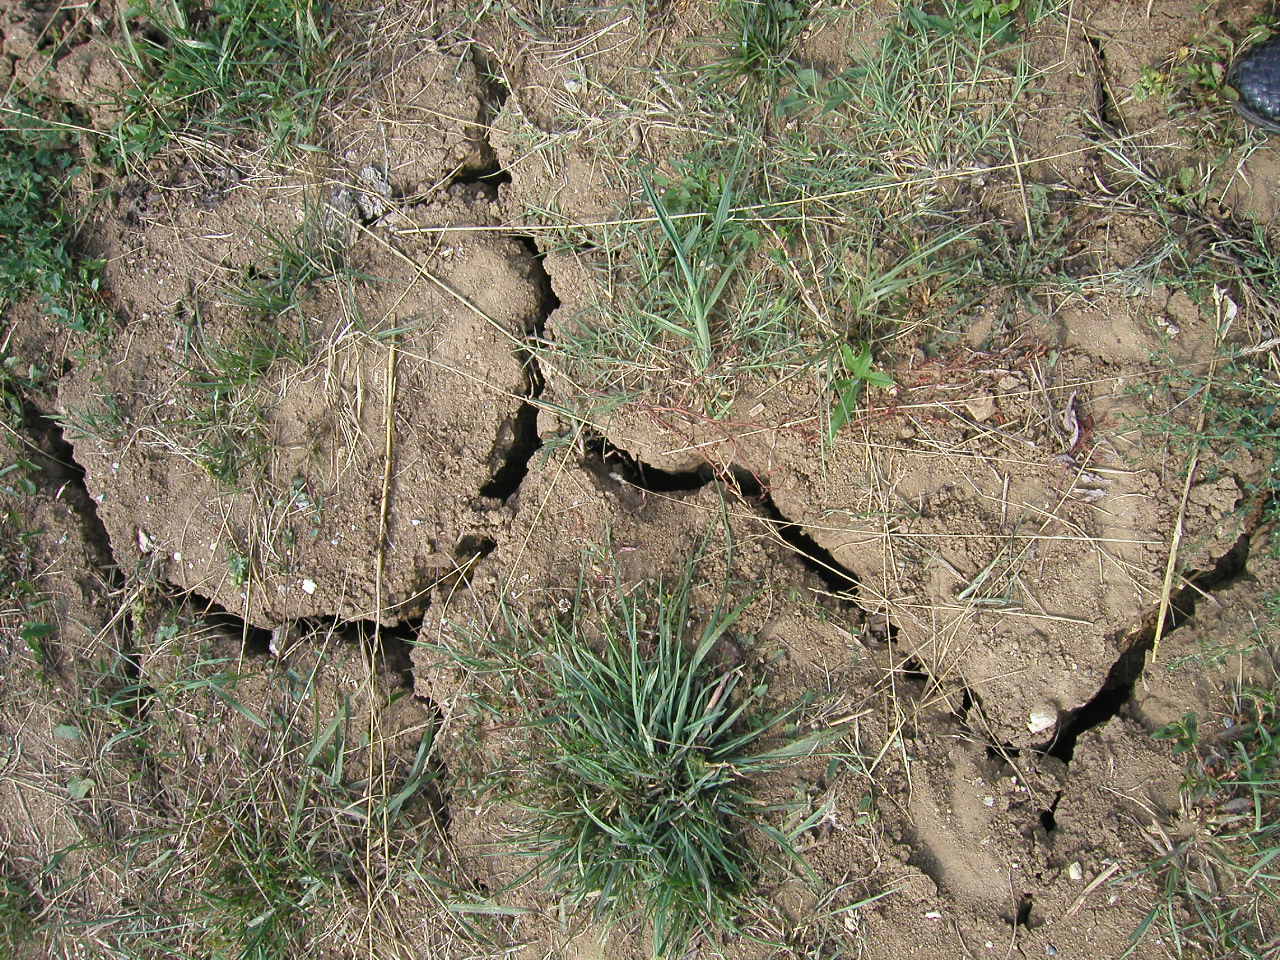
<point x="67" y="481"/>
<point x="626" y="467"/>
<point x="388" y="646"/>
<point x="525" y="440"/>
<point x="1117" y="690"/>
<point x="1106" y="109"/>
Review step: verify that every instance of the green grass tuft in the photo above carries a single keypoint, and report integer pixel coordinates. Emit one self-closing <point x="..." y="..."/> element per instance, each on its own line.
<point x="293" y="262"/>
<point x="225" y="67"/>
<point x="19" y="907"/>
<point x="803" y="215"/>
<point x="37" y="251"/>
<point x="759" y="43"/>
<point x="705" y="264"/>
<point x="642" y="756"/>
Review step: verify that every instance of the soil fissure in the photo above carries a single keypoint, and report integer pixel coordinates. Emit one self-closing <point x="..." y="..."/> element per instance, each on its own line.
<point x="388" y="646"/>
<point x="68" y="479"/>
<point x="525" y="438"/>
<point x="1106" y="107"/>
<point x="620" y="464"/>
<point x="1117" y="690"/>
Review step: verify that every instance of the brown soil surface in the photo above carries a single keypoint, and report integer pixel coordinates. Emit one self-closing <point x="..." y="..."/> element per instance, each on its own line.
<point x="972" y="571"/>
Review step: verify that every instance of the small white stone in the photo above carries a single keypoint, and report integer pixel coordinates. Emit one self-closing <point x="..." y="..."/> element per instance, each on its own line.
<point x="1041" y="719"/>
<point x="1075" y="871"/>
<point x="308" y="586"/>
<point x="177" y="556"/>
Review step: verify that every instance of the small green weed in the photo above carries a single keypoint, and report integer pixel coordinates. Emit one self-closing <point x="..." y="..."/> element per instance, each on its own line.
<point x="858" y="370"/>
<point x="643" y="750"/>
<point x="107" y="422"/>
<point x="993" y="17"/>
<point x="1153" y="83"/>
<point x="17" y="379"/>
<point x="704" y="267"/>
<point x="34" y="162"/>
<point x="239" y="566"/>
<point x="1223" y="870"/>
<point x="276" y="862"/>
<point x="225" y="67"/>
<point x="1194" y="85"/>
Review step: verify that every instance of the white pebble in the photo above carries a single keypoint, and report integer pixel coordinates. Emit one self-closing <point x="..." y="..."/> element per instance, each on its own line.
<point x="1041" y="719"/>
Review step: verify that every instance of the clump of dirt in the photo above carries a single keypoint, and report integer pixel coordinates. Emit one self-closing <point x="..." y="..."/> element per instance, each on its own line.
<point x="418" y="118"/>
<point x="299" y="508"/>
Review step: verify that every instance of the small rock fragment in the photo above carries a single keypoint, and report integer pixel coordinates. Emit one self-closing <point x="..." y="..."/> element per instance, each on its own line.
<point x="982" y="407"/>
<point x="1041" y="719"/>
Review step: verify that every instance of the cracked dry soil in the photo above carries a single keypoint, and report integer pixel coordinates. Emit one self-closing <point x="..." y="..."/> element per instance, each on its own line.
<point x="1008" y="756"/>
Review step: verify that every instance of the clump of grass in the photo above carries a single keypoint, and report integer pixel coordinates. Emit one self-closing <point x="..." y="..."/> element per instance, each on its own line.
<point x="1220" y="890"/>
<point x="37" y="252"/>
<point x="294" y="261"/>
<point x="268" y="819"/>
<point x="763" y="246"/>
<point x="644" y="746"/>
<point x="278" y="858"/>
<point x="223" y="67"/>
<point x="760" y="39"/>
<point x="705" y="264"/>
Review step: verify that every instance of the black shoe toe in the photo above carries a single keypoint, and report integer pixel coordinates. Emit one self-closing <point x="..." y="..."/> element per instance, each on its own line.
<point x="1256" y="76"/>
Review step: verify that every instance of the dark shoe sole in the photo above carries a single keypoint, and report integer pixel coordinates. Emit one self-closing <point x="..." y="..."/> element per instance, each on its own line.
<point x="1256" y="77"/>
